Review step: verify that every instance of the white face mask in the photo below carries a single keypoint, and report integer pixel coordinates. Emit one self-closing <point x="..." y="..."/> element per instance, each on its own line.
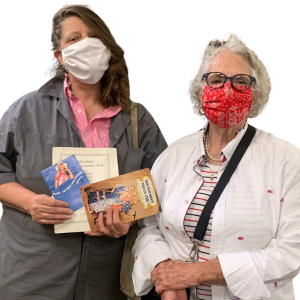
<point x="87" y="60"/>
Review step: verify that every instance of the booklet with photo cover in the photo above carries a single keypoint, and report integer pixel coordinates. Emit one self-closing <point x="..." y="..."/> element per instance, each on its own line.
<point x="133" y="194"/>
<point x="97" y="164"/>
<point x="64" y="180"/>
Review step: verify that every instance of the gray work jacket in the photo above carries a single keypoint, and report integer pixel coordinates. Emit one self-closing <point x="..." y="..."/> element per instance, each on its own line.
<point x="36" y="263"/>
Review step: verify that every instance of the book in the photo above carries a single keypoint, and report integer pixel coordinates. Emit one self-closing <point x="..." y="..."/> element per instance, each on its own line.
<point x="64" y="180"/>
<point x="133" y="194"/>
<point x="97" y="164"/>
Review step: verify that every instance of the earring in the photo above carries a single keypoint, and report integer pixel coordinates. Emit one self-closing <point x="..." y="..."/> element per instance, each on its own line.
<point x="253" y="114"/>
<point x="68" y="81"/>
<point x="200" y="112"/>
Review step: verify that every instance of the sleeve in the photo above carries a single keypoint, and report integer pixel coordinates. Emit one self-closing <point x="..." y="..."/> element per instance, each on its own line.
<point x="150" y="247"/>
<point x="254" y="274"/>
<point x="151" y="140"/>
<point x="8" y="153"/>
<point x="57" y="176"/>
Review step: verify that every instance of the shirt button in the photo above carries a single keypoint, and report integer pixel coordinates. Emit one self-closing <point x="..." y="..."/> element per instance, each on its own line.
<point x="86" y="133"/>
<point x="182" y="233"/>
<point x="79" y="110"/>
<point x="194" y="162"/>
<point x="186" y="201"/>
<point x="199" y="178"/>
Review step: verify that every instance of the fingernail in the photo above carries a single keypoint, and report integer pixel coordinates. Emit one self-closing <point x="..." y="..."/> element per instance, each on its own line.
<point x="68" y="217"/>
<point x="70" y="211"/>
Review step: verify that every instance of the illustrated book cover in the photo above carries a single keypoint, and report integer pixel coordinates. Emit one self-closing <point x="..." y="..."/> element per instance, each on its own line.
<point x="133" y="194"/>
<point x="97" y="164"/>
<point x="64" y="180"/>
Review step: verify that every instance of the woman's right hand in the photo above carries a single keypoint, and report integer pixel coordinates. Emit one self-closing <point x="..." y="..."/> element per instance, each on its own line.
<point x="46" y="210"/>
<point x="174" y="295"/>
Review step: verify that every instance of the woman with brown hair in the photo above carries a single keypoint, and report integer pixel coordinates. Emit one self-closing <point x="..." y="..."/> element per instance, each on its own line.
<point x="86" y="104"/>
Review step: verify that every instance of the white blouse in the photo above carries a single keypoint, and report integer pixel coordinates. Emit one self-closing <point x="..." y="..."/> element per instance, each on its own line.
<point x="256" y="223"/>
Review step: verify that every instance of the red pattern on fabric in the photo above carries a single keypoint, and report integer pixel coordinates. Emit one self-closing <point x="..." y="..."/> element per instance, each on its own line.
<point x="226" y="107"/>
<point x="94" y="134"/>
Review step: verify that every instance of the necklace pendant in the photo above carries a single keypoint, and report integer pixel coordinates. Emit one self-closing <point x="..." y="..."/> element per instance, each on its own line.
<point x="212" y="177"/>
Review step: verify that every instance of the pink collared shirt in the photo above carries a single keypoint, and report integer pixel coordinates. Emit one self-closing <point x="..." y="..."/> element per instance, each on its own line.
<point x="94" y="134"/>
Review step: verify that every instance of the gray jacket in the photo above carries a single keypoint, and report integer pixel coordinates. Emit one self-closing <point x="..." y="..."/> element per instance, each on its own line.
<point x="36" y="263"/>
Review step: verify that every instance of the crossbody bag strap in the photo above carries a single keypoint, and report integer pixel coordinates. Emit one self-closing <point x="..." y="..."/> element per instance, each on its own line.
<point x="224" y="179"/>
<point x="134" y="124"/>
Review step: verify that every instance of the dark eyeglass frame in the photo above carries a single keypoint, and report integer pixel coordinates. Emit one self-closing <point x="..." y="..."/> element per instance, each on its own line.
<point x="231" y="80"/>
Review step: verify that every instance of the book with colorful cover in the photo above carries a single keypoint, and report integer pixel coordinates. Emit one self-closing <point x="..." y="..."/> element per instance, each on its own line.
<point x="64" y="180"/>
<point x="133" y="194"/>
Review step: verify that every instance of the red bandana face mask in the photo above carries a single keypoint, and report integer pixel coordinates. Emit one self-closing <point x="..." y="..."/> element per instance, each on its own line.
<point x="226" y="107"/>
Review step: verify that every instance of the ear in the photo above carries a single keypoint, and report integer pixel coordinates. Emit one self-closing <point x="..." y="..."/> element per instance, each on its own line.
<point x="58" y="56"/>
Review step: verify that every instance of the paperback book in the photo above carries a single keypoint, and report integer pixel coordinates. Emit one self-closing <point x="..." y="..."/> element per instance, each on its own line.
<point x="133" y="194"/>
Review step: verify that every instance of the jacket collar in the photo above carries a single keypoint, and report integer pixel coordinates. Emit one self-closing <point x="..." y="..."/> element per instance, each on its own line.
<point x="55" y="88"/>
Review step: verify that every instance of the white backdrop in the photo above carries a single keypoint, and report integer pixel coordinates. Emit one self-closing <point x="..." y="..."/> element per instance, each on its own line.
<point x="164" y="41"/>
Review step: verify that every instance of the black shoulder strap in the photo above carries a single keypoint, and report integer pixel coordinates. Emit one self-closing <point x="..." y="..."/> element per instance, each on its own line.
<point x="232" y="165"/>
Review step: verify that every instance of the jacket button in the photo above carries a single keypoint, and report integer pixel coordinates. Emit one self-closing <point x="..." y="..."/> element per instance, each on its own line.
<point x="116" y="135"/>
<point x="199" y="178"/>
<point x="186" y="201"/>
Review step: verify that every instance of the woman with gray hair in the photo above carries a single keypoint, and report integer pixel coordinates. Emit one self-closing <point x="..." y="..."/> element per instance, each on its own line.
<point x="230" y="221"/>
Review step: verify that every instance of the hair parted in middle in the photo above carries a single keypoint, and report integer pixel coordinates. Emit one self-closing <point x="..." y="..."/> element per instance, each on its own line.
<point x="261" y="91"/>
<point x="115" y="82"/>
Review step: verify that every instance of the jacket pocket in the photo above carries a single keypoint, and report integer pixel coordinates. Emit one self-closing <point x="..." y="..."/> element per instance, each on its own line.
<point x="134" y="159"/>
<point x="35" y="153"/>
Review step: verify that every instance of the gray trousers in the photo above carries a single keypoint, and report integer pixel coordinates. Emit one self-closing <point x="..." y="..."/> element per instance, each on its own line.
<point x="40" y="267"/>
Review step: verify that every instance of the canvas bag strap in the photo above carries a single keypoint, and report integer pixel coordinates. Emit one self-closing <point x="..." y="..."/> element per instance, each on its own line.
<point x="225" y="177"/>
<point x="135" y="137"/>
<point x="128" y="260"/>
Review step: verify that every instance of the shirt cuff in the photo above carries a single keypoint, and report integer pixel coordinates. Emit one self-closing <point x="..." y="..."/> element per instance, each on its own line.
<point x="151" y="255"/>
<point x="242" y="277"/>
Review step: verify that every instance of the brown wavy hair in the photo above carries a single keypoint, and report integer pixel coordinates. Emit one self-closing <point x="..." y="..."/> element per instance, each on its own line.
<point x="115" y="82"/>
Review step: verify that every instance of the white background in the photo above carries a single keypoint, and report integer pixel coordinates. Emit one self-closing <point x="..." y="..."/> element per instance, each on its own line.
<point x="163" y="43"/>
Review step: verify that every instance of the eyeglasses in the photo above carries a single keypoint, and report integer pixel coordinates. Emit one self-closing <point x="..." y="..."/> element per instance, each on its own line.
<point x="216" y="80"/>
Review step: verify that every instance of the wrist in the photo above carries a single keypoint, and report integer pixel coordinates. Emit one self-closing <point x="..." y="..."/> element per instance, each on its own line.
<point x="164" y="261"/>
<point x="196" y="272"/>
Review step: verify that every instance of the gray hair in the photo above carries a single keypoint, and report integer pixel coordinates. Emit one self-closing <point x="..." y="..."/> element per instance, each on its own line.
<point x="262" y="88"/>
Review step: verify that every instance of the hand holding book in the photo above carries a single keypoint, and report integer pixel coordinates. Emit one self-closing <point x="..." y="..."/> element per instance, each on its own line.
<point x="112" y="225"/>
<point x="46" y="210"/>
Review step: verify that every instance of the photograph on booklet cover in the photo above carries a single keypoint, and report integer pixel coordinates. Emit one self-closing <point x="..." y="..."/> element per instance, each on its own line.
<point x="64" y="180"/>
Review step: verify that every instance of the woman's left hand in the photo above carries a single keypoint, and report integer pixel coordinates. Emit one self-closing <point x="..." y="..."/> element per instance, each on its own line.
<point x="113" y="226"/>
<point x="176" y="276"/>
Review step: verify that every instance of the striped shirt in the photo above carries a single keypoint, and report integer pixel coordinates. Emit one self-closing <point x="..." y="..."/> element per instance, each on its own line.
<point x="192" y="216"/>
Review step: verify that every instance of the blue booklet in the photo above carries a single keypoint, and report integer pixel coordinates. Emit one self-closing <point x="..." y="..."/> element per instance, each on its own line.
<point x="64" y="180"/>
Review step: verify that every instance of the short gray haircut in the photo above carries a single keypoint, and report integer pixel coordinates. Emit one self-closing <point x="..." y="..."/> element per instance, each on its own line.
<point x="261" y="91"/>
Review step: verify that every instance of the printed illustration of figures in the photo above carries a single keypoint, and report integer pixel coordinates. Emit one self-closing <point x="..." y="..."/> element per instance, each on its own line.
<point x="121" y="197"/>
<point x="133" y="194"/>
